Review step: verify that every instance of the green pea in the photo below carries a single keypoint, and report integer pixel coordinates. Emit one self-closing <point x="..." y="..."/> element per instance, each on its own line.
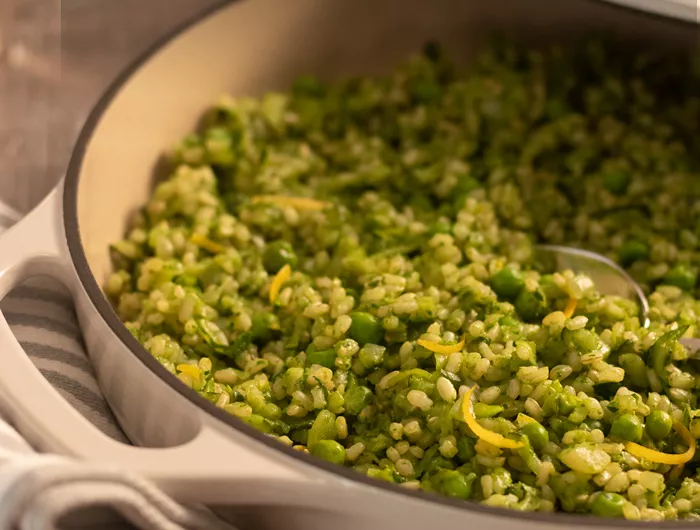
<point x="635" y="369"/>
<point x="418" y="383"/>
<point x="256" y="399"/>
<point x="263" y="326"/>
<point x="278" y="254"/>
<point x="567" y="403"/>
<point x="508" y="321"/>
<point x="329" y="450"/>
<point x="191" y="150"/>
<point x="456" y="484"/>
<point x="482" y="410"/>
<point x="536" y="433"/>
<point x="531" y="305"/>
<point x="616" y="182"/>
<point x="632" y="251"/>
<point x="271" y="411"/>
<point x="658" y="425"/>
<point x="441" y="227"/>
<point x="681" y="276"/>
<point x="593" y="424"/>
<point x="335" y="402"/>
<point x="371" y="355"/>
<point x="378" y="443"/>
<point x="366" y="328"/>
<point x="507" y="283"/>
<point x="585" y="340"/>
<point x="608" y="505"/>
<point x="357" y="398"/>
<point x="561" y="427"/>
<point x="260" y="423"/>
<point x="292" y="378"/>
<point x="323" y="428"/>
<point x="628" y="427"/>
<point x="386" y="474"/>
<point x="220" y="146"/>
<point x="300" y="436"/>
<point x="427" y="310"/>
<point x="502" y="479"/>
<point x="550" y="406"/>
<point x="323" y="357"/>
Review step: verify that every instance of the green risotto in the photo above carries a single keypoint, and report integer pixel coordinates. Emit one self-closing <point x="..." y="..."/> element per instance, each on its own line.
<point x="349" y="268"/>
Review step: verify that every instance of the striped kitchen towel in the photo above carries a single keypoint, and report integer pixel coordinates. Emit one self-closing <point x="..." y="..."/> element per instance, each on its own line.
<point x="48" y="492"/>
<point x="40" y="313"/>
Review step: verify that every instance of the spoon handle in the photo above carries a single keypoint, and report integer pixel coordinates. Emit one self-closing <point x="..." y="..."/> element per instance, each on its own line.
<point x="608" y="277"/>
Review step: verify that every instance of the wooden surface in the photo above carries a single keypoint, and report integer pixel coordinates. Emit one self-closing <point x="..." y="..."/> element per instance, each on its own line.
<point x="56" y="58"/>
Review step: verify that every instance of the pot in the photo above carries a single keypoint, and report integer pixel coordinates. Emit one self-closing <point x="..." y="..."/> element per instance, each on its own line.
<point x="191" y="449"/>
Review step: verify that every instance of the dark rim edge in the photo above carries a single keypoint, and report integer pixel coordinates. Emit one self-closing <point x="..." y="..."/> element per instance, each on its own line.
<point x="105" y="310"/>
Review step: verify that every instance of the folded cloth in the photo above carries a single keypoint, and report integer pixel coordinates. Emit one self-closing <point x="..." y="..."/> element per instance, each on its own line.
<point x="47" y="492"/>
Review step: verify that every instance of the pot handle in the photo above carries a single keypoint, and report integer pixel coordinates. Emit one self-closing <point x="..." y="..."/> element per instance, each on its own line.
<point x="208" y="468"/>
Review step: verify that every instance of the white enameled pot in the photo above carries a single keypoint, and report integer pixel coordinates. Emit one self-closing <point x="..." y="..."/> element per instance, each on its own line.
<point x="190" y="448"/>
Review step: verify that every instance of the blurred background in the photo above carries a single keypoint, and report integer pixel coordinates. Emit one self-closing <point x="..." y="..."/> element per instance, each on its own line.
<point x="56" y="58"/>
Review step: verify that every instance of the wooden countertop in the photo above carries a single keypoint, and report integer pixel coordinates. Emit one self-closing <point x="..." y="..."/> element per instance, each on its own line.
<point x="56" y="58"/>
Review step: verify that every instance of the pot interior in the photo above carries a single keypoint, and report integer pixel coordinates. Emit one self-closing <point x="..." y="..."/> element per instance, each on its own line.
<point x="249" y="47"/>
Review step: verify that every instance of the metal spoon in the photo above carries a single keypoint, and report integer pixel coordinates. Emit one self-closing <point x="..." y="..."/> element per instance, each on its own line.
<point x="608" y="277"/>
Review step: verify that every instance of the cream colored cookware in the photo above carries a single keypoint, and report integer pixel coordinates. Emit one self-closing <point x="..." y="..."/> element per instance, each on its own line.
<point x="193" y="450"/>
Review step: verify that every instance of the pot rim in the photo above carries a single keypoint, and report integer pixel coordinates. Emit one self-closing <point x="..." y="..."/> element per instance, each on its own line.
<point x="104" y="308"/>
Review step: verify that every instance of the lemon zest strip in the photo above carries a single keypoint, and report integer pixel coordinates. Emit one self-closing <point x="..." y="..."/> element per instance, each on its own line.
<point x="300" y="203"/>
<point x="189" y="369"/>
<point x="570" y="307"/>
<point x="207" y="244"/>
<point x="282" y="276"/>
<point x="524" y="419"/>
<point x="488" y="436"/>
<point x="441" y="348"/>
<point x="664" y="458"/>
